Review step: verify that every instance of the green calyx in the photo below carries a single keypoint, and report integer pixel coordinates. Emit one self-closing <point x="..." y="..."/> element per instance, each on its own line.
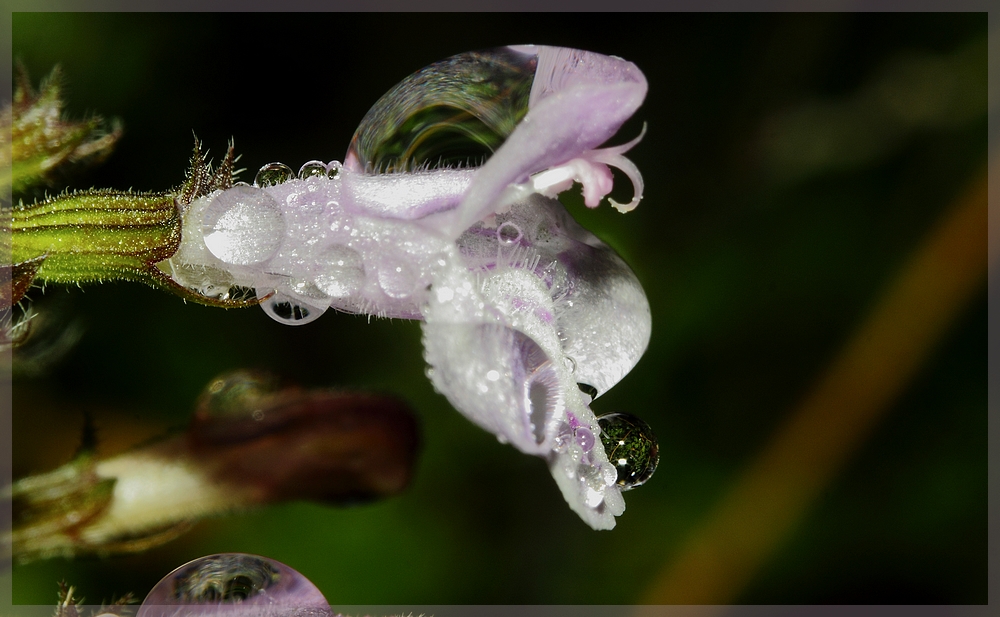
<point x="93" y="236"/>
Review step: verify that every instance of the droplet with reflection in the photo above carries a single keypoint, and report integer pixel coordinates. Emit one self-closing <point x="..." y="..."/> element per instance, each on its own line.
<point x="312" y="169"/>
<point x="290" y="311"/>
<point x="235" y="584"/>
<point x="630" y="446"/>
<point x="272" y="174"/>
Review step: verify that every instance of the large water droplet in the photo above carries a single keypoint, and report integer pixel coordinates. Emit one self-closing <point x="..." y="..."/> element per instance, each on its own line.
<point x="273" y="173"/>
<point x="630" y="446"/>
<point x="397" y="279"/>
<point x="234" y="584"/>
<point x="243" y="226"/>
<point x="343" y="271"/>
<point x="308" y="292"/>
<point x="206" y="280"/>
<point x="312" y="169"/>
<point x="290" y="311"/>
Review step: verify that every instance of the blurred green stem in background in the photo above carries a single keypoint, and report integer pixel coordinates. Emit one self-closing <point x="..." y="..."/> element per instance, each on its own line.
<point x="721" y="556"/>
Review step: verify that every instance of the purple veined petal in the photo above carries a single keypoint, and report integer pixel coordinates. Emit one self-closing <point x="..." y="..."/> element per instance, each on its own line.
<point x="235" y="585"/>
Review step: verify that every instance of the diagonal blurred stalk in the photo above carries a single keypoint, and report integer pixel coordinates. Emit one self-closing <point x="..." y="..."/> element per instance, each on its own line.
<point x="772" y="494"/>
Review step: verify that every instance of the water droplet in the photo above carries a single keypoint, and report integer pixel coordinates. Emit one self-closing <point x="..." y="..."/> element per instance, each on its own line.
<point x="273" y="173"/>
<point x="243" y="226"/>
<point x="585" y="438"/>
<point x="233" y="584"/>
<point x="343" y="271"/>
<point x="397" y="279"/>
<point x="564" y="436"/>
<point x="308" y="292"/>
<point x="508" y="233"/>
<point x="630" y="446"/>
<point x="233" y="395"/>
<point x="312" y="169"/>
<point x="333" y="169"/>
<point x="206" y="280"/>
<point x="290" y="311"/>
<point x="570" y="364"/>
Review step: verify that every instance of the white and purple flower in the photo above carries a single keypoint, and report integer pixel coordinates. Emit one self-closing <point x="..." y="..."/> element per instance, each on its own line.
<point x="526" y="315"/>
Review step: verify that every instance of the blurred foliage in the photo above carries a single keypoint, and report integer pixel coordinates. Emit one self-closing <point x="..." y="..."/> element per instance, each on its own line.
<point x="792" y="164"/>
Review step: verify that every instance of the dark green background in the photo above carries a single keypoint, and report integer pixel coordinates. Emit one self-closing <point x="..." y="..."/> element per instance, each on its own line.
<point x="757" y="266"/>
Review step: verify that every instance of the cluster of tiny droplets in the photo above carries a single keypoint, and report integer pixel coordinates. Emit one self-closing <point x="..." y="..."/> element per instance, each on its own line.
<point x="271" y="174"/>
<point x="276" y="173"/>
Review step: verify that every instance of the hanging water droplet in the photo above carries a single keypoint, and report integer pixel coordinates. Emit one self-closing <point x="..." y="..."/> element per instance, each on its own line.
<point x="630" y="446"/>
<point x="234" y="584"/>
<point x="273" y="173"/>
<point x="343" y="271"/>
<point x="243" y="226"/>
<point x="312" y="169"/>
<point x="290" y="311"/>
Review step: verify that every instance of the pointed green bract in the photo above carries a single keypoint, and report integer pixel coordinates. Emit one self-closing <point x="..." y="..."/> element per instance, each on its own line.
<point x="42" y="142"/>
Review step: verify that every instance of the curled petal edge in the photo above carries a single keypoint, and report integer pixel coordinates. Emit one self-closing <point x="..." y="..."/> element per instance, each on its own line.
<point x="592" y="170"/>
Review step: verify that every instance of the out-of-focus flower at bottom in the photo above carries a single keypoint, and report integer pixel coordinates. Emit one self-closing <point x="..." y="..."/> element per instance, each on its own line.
<point x="251" y="442"/>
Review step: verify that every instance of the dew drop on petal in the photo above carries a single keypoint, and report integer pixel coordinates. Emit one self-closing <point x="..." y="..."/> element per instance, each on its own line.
<point x="312" y="169"/>
<point x="333" y="169"/>
<point x="585" y="438"/>
<point x="397" y="279"/>
<point x="630" y="446"/>
<point x="243" y="226"/>
<point x="272" y="174"/>
<point x="307" y="291"/>
<point x="342" y="271"/>
<point x="290" y="311"/>
<point x="234" y="584"/>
